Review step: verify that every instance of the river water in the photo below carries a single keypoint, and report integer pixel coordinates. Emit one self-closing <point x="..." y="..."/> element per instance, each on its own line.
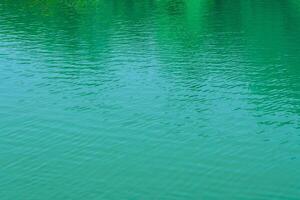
<point x="148" y="99"/>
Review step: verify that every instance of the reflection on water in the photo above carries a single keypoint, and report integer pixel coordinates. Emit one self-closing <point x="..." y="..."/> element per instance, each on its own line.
<point x="169" y="99"/>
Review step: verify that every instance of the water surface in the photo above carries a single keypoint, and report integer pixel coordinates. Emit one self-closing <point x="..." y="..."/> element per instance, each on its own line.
<point x="147" y="99"/>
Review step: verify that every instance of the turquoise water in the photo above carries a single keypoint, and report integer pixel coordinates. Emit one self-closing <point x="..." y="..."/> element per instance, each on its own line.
<point x="148" y="99"/>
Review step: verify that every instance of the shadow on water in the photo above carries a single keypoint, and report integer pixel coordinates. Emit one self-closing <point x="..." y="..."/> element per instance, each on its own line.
<point x="264" y="49"/>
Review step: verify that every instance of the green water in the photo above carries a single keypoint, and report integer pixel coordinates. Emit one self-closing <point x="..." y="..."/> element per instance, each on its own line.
<point x="150" y="99"/>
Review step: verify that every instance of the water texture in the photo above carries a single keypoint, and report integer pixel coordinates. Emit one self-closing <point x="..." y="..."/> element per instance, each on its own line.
<point x="149" y="99"/>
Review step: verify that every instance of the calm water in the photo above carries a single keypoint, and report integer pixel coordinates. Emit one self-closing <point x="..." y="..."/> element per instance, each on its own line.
<point x="148" y="99"/>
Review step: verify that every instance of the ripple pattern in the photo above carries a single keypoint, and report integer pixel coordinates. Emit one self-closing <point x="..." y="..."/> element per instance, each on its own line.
<point x="170" y="99"/>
